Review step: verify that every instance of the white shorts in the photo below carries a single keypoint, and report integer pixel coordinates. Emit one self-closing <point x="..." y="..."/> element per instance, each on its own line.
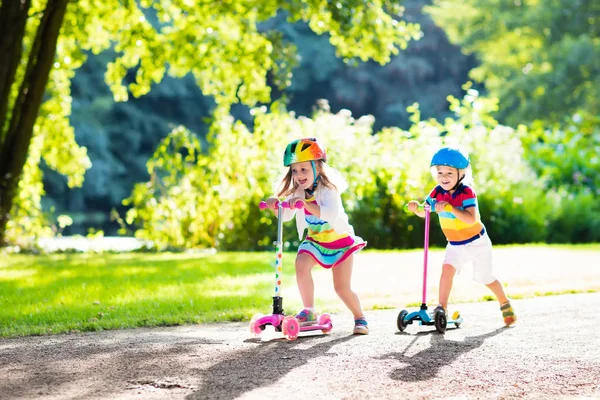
<point x="478" y="252"/>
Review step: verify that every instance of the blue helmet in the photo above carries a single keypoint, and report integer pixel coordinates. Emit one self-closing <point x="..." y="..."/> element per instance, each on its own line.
<point x="451" y="157"/>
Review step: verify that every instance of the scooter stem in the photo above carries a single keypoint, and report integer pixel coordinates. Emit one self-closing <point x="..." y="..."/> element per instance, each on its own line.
<point x="426" y="252"/>
<point x="277" y="300"/>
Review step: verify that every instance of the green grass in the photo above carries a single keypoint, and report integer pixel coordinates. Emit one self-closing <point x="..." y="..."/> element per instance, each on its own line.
<point x="89" y="292"/>
<point x="71" y="293"/>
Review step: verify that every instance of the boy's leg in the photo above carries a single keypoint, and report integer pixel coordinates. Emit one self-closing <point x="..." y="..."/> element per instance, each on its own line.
<point x="448" y="272"/>
<point x="508" y="313"/>
<point x="498" y="290"/>
<point x="483" y="272"/>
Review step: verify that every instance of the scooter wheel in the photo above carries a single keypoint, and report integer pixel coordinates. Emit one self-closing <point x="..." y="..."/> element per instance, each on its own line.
<point x="401" y="323"/>
<point x="440" y="321"/>
<point x="325" y="319"/>
<point x="455" y="317"/>
<point x="290" y="327"/>
<point x="255" y="328"/>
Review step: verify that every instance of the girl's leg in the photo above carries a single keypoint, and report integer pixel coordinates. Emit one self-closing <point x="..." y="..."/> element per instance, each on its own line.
<point x="448" y="272"/>
<point x="306" y="286"/>
<point x="342" y="282"/>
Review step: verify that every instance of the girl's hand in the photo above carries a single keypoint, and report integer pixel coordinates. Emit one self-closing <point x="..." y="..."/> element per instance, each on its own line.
<point x="439" y="206"/>
<point x="272" y="203"/>
<point x="412" y="206"/>
<point x="295" y="200"/>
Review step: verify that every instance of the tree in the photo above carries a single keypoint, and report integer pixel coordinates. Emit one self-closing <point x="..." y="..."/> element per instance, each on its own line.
<point x="219" y="42"/>
<point x="541" y="59"/>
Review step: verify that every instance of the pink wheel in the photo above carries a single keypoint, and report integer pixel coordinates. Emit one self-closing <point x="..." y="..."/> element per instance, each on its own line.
<point x="290" y="327"/>
<point x="254" y="326"/>
<point x="325" y="319"/>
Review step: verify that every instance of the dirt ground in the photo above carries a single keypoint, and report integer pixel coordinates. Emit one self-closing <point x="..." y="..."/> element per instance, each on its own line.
<point x="552" y="352"/>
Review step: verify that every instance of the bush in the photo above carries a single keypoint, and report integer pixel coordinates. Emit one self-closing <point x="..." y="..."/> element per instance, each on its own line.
<point x="208" y="197"/>
<point x="576" y="218"/>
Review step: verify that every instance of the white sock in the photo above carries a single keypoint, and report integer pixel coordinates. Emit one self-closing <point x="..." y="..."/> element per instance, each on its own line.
<point x="311" y="309"/>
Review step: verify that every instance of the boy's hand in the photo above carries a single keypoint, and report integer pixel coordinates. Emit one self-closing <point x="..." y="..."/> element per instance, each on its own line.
<point x="412" y="206"/>
<point x="440" y="206"/>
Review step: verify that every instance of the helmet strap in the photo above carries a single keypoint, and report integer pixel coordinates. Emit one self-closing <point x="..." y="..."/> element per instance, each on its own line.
<point x="459" y="179"/>
<point x="316" y="181"/>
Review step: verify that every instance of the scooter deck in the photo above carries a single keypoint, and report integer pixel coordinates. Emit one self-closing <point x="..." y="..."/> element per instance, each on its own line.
<point x="277" y="319"/>
<point x="316" y="327"/>
<point x="425" y="317"/>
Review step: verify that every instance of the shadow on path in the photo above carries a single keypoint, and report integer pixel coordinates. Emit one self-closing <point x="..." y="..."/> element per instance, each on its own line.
<point x="247" y="370"/>
<point x="426" y="363"/>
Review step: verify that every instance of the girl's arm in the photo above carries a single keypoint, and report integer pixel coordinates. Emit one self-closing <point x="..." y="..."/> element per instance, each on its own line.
<point x="330" y="208"/>
<point x="287" y="213"/>
<point x="312" y="208"/>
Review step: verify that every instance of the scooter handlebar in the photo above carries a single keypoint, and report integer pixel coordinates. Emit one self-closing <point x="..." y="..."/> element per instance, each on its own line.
<point x="421" y="207"/>
<point x="284" y="204"/>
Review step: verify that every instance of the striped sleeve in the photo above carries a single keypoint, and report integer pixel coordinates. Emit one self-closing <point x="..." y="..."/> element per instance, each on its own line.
<point x="431" y="197"/>
<point x="469" y="198"/>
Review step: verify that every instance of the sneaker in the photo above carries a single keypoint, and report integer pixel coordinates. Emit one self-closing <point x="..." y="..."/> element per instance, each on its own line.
<point x="361" y="327"/>
<point x="508" y="314"/>
<point x="439" y="308"/>
<point x="306" y="317"/>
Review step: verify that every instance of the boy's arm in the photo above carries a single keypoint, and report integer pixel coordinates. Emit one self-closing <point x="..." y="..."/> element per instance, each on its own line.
<point x="468" y="216"/>
<point x="420" y="213"/>
<point x="428" y="200"/>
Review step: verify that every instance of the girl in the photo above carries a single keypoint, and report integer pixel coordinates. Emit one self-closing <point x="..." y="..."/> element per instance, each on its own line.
<point x="467" y="238"/>
<point x="330" y="241"/>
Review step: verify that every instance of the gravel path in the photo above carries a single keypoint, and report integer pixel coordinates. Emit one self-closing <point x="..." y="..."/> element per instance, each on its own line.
<point x="553" y="352"/>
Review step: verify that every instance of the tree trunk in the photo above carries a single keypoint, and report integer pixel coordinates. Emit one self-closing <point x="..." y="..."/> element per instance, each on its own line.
<point x="13" y="17"/>
<point x="15" y="145"/>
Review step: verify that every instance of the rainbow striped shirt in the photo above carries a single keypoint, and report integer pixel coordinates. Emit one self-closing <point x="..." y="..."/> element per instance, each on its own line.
<point x="457" y="232"/>
<point x="322" y="232"/>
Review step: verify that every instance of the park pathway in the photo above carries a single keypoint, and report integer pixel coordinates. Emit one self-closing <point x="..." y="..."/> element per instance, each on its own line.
<point x="553" y="352"/>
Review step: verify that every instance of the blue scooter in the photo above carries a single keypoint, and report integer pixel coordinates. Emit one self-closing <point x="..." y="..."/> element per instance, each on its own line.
<point x="439" y="318"/>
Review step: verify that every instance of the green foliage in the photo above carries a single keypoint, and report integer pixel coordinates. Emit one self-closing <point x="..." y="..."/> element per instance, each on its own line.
<point x="426" y="72"/>
<point x="120" y="137"/>
<point x="567" y="154"/>
<point x="540" y="58"/>
<point x="218" y="43"/>
<point x="221" y="45"/>
<point x="210" y="199"/>
<point x="577" y="220"/>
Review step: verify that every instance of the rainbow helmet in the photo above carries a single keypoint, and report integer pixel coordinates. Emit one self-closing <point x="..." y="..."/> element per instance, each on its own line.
<point x="451" y="157"/>
<point x="301" y="150"/>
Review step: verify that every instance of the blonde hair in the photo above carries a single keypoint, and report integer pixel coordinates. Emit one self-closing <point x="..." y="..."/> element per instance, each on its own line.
<point x="287" y="186"/>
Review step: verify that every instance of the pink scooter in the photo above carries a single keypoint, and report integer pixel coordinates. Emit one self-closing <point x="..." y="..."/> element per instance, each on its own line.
<point x="287" y="324"/>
